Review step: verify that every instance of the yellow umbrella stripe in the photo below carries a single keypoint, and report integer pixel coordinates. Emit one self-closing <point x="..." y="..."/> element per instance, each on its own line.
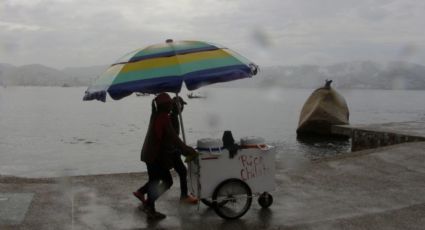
<point x="174" y="60"/>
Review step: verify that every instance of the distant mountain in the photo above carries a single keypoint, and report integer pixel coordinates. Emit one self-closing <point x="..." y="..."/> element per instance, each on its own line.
<point x="39" y="75"/>
<point x="349" y="75"/>
<point x="85" y="75"/>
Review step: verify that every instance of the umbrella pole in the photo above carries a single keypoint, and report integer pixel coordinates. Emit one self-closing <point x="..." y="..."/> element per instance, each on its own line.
<point x="196" y="161"/>
<point x="181" y="119"/>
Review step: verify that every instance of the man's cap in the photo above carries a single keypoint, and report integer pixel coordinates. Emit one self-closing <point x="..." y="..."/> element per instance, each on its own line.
<point x="162" y="98"/>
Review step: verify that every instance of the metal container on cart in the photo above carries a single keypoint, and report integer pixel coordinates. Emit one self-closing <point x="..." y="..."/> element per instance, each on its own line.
<point x="222" y="179"/>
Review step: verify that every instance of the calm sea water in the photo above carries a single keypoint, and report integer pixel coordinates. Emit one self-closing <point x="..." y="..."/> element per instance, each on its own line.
<point x="50" y="131"/>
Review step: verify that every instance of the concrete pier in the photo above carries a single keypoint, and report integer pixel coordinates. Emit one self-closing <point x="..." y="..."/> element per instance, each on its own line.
<point x="379" y="135"/>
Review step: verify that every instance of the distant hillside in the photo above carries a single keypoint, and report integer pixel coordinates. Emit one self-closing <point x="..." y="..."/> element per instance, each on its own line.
<point x="39" y="75"/>
<point x="85" y="75"/>
<point x="350" y="75"/>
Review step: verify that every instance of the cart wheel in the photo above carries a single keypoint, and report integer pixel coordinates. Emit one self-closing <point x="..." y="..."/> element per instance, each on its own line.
<point x="207" y="202"/>
<point x="265" y="200"/>
<point x="232" y="199"/>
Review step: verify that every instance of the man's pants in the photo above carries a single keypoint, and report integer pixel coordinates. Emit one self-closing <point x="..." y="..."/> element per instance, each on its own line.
<point x="182" y="171"/>
<point x="153" y="187"/>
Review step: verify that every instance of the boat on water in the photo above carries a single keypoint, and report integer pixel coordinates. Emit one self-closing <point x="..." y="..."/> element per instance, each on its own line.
<point x="325" y="107"/>
<point x="194" y="96"/>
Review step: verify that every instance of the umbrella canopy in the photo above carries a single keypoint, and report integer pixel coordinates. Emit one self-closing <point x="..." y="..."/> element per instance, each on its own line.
<point x="164" y="67"/>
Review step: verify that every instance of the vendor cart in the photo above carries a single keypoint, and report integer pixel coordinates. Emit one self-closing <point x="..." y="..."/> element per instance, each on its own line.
<point x="227" y="178"/>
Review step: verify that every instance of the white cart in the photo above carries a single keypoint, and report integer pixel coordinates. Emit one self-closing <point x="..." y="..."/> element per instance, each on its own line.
<point x="227" y="180"/>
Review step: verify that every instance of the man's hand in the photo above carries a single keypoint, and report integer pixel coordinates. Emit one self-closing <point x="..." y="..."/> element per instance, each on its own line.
<point x="190" y="154"/>
<point x="190" y="151"/>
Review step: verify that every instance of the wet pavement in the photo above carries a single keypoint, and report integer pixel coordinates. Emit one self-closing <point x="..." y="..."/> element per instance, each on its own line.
<point x="374" y="189"/>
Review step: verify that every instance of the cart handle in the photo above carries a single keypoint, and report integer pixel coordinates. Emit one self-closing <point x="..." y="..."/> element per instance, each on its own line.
<point x="263" y="147"/>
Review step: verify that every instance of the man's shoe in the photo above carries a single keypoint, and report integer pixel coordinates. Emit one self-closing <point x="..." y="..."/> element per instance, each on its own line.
<point x="140" y="196"/>
<point x="153" y="215"/>
<point x="189" y="200"/>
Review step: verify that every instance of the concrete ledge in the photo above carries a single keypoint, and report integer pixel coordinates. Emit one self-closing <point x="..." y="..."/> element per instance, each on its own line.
<point x="378" y="135"/>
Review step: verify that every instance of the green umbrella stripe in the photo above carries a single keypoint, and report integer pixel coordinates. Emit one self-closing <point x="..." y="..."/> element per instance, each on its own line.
<point x="146" y="74"/>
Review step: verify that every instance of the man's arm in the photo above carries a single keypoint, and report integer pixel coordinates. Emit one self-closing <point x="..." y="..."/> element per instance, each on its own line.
<point x="171" y="133"/>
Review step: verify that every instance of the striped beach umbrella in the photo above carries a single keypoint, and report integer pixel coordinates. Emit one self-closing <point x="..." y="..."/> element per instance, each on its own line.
<point x="164" y="67"/>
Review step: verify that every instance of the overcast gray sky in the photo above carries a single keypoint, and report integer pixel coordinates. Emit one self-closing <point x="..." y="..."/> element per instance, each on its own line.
<point x="62" y="33"/>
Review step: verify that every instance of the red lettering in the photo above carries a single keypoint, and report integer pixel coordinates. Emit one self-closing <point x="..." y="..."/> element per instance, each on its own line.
<point x="243" y="160"/>
<point x="244" y="175"/>
<point x="257" y="160"/>
<point x="252" y="167"/>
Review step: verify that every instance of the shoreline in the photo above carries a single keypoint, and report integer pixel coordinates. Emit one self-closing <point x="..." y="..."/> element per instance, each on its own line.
<point x="15" y="179"/>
